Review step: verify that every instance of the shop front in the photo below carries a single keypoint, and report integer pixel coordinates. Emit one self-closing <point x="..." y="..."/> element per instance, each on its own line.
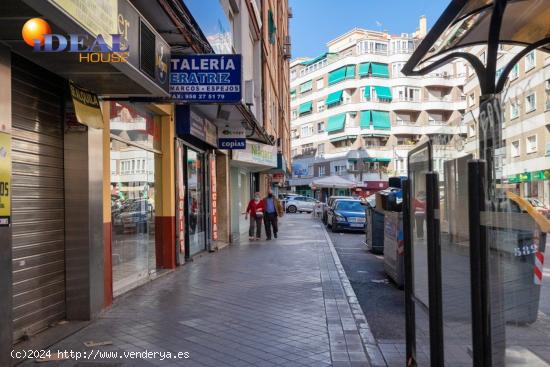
<point x="247" y="166"/>
<point x="195" y="176"/>
<point x="56" y="252"/>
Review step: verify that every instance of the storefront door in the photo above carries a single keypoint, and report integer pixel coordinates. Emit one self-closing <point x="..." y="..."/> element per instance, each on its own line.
<point x="196" y="203"/>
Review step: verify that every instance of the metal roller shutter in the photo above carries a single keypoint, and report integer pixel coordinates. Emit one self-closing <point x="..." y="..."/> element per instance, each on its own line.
<point x="37" y="199"/>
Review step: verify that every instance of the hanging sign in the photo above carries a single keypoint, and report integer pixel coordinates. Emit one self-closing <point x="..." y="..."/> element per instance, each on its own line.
<point x="206" y="78"/>
<point x="5" y="179"/>
<point x="231" y="138"/>
<point x="86" y="107"/>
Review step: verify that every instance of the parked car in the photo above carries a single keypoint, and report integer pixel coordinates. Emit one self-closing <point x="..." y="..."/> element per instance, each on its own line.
<point x="329" y="204"/>
<point x="346" y="214"/>
<point x="539" y="205"/>
<point x="300" y="204"/>
<point x="135" y="216"/>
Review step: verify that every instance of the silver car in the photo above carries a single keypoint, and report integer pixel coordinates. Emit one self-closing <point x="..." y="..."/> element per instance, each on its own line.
<point x="300" y="204"/>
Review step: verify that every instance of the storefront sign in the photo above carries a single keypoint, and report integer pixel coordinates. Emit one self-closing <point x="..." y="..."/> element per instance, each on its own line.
<point x="257" y="153"/>
<point x="214" y="198"/>
<point x="206" y="78"/>
<point x="299" y="169"/>
<point x="189" y="122"/>
<point x="232" y="138"/>
<point x="278" y="177"/>
<point x="524" y="177"/>
<point x="5" y="179"/>
<point x="86" y="107"/>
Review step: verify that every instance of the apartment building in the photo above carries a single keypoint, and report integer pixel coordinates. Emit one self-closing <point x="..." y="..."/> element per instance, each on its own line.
<point x="523" y="162"/>
<point x="355" y="98"/>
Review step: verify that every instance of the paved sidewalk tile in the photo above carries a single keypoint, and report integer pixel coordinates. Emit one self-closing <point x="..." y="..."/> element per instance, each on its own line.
<point x="283" y="303"/>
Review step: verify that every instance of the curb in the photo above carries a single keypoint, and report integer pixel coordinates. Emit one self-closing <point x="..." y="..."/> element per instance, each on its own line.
<point x="369" y="342"/>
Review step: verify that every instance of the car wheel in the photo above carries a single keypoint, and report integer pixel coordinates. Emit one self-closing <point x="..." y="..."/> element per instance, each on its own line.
<point x="292" y="209"/>
<point x="333" y="227"/>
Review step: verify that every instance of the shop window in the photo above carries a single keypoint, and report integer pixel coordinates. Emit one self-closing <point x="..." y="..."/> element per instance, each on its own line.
<point x="134" y="154"/>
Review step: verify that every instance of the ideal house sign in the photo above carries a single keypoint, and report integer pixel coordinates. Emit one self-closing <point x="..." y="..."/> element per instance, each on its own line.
<point x="206" y="78"/>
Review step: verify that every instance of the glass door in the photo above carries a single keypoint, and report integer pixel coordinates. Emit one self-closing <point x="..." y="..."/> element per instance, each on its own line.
<point x="196" y="224"/>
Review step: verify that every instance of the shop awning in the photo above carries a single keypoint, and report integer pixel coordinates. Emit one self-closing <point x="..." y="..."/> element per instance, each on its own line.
<point x="305" y="107"/>
<point x="364" y="68"/>
<point x="336" y="122"/>
<point x="306" y="87"/>
<point x="365" y="119"/>
<point x="380" y="70"/>
<point x="341" y="138"/>
<point x="383" y="92"/>
<point x="366" y="92"/>
<point x="381" y="120"/>
<point x="334" y="98"/>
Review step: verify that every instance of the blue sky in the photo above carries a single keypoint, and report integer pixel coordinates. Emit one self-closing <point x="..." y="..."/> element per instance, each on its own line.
<point x="316" y="22"/>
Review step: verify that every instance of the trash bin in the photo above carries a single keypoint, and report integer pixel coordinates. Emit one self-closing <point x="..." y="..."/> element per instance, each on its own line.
<point x="375" y="240"/>
<point x="394" y="247"/>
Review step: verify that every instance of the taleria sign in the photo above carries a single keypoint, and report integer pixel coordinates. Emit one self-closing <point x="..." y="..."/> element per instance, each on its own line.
<point x="206" y="78"/>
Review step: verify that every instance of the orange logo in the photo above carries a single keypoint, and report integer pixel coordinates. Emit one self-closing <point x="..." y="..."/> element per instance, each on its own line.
<point x="35" y="29"/>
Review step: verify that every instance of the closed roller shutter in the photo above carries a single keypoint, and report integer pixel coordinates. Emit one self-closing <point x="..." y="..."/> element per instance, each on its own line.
<point x="37" y="199"/>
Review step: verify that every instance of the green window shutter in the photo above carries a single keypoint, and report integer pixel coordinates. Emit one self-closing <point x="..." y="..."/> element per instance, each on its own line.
<point x="337" y="75"/>
<point x="341" y="138"/>
<point x="365" y="119"/>
<point x="381" y="120"/>
<point x="305" y="107"/>
<point x="306" y="87"/>
<point x="350" y="72"/>
<point x="380" y="70"/>
<point x="336" y="122"/>
<point x="366" y="92"/>
<point x="382" y="160"/>
<point x="293" y="92"/>
<point x="334" y="98"/>
<point x="383" y="92"/>
<point x="271" y="27"/>
<point x="364" y="69"/>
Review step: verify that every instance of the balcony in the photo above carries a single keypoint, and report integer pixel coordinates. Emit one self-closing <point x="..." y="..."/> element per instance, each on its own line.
<point x="407" y="103"/>
<point x="443" y="103"/>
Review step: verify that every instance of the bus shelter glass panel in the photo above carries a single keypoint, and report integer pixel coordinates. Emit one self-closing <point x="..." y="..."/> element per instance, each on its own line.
<point x="516" y="222"/>
<point x="418" y="165"/>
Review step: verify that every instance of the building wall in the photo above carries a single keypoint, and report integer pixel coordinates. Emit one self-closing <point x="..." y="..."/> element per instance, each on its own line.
<point x="436" y="106"/>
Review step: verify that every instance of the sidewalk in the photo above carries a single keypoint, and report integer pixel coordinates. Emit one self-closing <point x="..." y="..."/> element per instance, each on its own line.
<point x="285" y="302"/>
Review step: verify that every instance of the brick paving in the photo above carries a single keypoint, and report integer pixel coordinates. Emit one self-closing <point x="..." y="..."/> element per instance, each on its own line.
<point x="285" y="302"/>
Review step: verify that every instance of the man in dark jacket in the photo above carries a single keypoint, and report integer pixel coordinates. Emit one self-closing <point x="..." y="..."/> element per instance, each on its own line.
<point x="273" y="209"/>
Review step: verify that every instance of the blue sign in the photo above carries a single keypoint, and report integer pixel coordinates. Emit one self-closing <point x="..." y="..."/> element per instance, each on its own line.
<point x="234" y="143"/>
<point x="206" y="78"/>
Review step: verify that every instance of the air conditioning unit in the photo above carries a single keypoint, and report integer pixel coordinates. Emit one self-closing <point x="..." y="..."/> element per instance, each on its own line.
<point x="249" y="92"/>
<point x="290" y="14"/>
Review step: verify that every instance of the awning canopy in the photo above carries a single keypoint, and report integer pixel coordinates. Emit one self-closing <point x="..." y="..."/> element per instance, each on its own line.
<point x="336" y="122"/>
<point x="306" y="87"/>
<point x="336" y="182"/>
<point x="365" y="119"/>
<point x="466" y="23"/>
<point x="380" y="70"/>
<point x="364" y="68"/>
<point x="305" y="107"/>
<point x="342" y="138"/>
<point x="334" y="98"/>
<point x="383" y="92"/>
<point x="345" y="72"/>
<point x="381" y="120"/>
<point x="366" y="92"/>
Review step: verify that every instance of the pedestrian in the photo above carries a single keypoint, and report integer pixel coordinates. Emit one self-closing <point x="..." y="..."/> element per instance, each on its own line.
<point x="273" y="209"/>
<point x="256" y="209"/>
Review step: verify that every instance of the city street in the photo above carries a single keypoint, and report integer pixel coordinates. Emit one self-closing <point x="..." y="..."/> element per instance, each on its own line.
<point x="382" y="302"/>
<point x="284" y="302"/>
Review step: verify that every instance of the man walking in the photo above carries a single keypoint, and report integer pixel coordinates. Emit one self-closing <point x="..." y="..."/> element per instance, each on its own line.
<point x="273" y="209"/>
